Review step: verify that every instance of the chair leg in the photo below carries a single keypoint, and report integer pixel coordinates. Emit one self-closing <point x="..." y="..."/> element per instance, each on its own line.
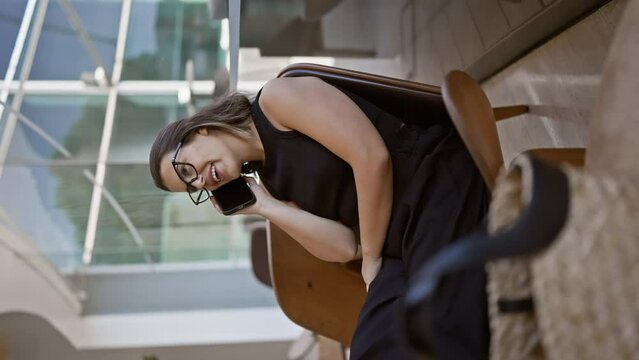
<point x="303" y="346"/>
<point x="557" y="156"/>
<point x="346" y="352"/>
<point x="505" y="112"/>
<point x="330" y="349"/>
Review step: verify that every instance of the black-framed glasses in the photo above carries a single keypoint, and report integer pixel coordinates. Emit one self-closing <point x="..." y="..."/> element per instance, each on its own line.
<point x="188" y="174"/>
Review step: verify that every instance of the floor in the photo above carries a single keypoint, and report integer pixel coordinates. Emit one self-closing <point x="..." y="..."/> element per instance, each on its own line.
<point x="559" y="79"/>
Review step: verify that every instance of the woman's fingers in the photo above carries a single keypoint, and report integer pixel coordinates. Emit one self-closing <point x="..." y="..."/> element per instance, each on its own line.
<point x="293" y="204"/>
<point x="254" y="184"/>
<point x="217" y="207"/>
<point x="370" y="269"/>
<point x="250" y="181"/>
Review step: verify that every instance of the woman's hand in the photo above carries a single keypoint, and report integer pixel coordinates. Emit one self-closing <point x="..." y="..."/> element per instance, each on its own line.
<point x="262" y="196"/>
<point x="370" y="269"/>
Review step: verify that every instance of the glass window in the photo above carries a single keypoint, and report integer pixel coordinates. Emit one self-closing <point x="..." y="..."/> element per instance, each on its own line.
<point x="168" y="227"/>
<point x="61" y="54"/>
<point x="164" y="35"/>
<point x="73" y="122"/>
<point x="11" y="13"/>
<point x="137" y="201"/>
<point x="137" y="120"/>
<point x="49" y="206"/>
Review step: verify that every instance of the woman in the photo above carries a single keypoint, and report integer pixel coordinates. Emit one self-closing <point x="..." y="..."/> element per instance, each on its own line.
<point x="346" y="180"/>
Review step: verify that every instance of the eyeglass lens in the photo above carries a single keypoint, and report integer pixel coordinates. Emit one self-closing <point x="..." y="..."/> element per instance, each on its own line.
<point x="199" y="196"/>
<point x="186" y="172"/>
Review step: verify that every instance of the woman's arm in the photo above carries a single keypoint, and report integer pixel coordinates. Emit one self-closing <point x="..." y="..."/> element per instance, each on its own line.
<point x="322" y="112"/>
<point x="324" y="238"/>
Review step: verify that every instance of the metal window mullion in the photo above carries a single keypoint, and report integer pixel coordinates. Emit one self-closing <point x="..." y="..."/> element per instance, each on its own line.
<point x="234" y="42"/>
<point x="96" y="197"/>
<point x="177" y="48"/>
<point x="17" y="51"/>
<point x="137" y="238"/>
<point x="16" y="104"/>
<point x="129" y="87"/>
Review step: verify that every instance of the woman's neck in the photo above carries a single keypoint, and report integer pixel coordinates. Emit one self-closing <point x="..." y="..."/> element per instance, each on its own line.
<point x="256" y="148"/>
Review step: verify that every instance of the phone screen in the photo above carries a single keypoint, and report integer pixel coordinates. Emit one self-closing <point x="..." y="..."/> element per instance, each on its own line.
<point x="233" y="196"/>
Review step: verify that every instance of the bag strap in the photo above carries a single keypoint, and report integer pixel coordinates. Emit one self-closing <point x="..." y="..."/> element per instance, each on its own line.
<point x="541" y="220"/>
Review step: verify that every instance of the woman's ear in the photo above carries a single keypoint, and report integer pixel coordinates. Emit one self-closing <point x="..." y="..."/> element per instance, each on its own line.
<point x="203" y="131"/>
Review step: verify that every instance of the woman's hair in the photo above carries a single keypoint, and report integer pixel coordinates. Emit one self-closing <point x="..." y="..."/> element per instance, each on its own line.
<point x="230" y="113"/>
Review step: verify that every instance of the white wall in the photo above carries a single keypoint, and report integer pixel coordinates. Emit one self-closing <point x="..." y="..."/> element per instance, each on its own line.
<point x="28" y="284"/>
<point x="28" y="337"/>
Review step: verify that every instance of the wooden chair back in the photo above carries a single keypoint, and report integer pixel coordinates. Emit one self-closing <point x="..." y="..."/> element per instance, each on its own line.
<point x="474" y="119"/>
<point x="476" y="122"/>
<point x="259" y="253"/>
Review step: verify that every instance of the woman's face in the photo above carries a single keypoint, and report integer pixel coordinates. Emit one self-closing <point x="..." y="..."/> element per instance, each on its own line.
<point x="215" y="155"/>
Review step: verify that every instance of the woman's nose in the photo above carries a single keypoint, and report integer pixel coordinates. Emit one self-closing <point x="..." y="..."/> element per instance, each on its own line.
<point x="199" y="182"/>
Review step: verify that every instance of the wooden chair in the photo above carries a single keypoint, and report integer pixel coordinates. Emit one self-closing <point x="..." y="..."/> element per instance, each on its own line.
<point x="259" y="253"/>
<point x="326" y="297"/>
<point x="306" y="343"/>
<point x="475" y="120"/>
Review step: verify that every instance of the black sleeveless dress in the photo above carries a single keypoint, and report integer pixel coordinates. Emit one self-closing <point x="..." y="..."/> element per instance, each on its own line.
<point x="438" y="196"/>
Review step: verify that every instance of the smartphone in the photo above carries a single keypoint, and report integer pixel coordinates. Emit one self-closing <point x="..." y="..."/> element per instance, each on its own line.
<point x="234" y="196"/>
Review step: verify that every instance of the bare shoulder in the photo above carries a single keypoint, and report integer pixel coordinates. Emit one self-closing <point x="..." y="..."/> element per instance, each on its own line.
<point x="280" y="97"/>
<point x="277" y="90"/>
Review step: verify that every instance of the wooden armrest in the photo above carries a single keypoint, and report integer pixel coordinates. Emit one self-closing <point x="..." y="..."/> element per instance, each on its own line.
<point x="572" y="156"/>
<point x="320" y="296"/>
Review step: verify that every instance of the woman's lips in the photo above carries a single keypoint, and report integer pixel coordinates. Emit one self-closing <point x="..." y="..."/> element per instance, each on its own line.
<point x="216" y="175"/>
